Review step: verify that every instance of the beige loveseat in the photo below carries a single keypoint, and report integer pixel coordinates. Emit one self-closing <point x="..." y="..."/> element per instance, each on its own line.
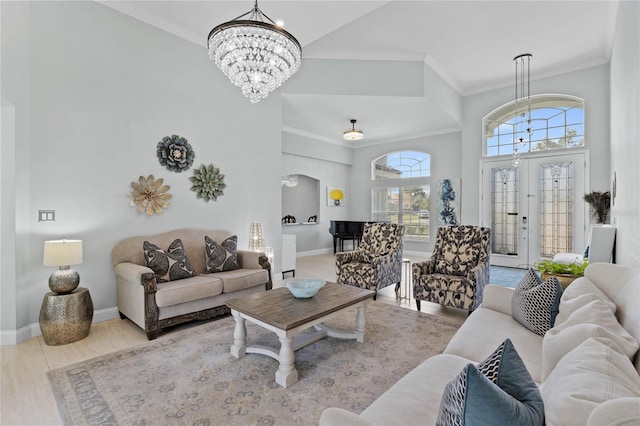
<point x="155" y="305"/>
<point x="593" y="384"/>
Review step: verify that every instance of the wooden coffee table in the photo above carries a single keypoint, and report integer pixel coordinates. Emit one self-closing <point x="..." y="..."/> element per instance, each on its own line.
<point x="277" y="310"/>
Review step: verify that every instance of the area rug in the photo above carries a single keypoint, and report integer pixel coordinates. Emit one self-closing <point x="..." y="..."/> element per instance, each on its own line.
<point x="190" y="377"/>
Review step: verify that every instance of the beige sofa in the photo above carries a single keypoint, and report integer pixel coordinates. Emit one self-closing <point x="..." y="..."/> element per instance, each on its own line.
<point x="572" y="392"/>
<point x="154" y="306"/>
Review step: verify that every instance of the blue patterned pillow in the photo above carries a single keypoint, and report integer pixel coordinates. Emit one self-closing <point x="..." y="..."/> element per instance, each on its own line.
<point x="169" y="265"/>
<point x="535" y="303"/>
<point x="498" y="391"/>
<point x="221" y="256"/>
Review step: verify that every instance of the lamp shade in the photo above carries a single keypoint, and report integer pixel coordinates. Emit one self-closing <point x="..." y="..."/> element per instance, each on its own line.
<point x="256" y="240"/>
<point x="62" y="252"/>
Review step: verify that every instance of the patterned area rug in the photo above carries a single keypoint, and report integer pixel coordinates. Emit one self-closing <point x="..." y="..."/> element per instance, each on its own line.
<point x="191" y="378"/>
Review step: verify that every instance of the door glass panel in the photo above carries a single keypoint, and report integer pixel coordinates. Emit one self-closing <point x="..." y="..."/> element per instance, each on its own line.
<point x="504" y="210"/>
<point x="556" y="208"/>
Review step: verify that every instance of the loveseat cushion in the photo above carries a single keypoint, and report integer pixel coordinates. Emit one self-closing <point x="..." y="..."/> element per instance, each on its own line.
<point x="594" y="319"/>
<point x="497" y="391"/>
<point x="240" y="279"/>
<point x="221" y="256"/>
<point x="485" y="329"/>
<point x="169" y="265"/>
<point x="535" y="302"/>
<point x="187" y="290"/>
<point x="592" y="373"/>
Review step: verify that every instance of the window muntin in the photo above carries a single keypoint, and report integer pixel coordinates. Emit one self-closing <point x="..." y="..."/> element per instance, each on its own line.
<point x="401" y="165"/>
<point x="401" y="191"/>
<point x="557" y="122"/>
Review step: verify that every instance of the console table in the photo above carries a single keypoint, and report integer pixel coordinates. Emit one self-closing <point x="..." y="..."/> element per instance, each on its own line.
<point x="66" y="318"/>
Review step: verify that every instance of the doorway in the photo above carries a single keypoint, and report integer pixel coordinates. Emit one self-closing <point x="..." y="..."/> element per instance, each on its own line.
<point x="536" y="209"/>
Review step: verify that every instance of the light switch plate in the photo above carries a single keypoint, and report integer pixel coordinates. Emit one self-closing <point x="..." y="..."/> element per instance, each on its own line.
<point x="46" y="215"/>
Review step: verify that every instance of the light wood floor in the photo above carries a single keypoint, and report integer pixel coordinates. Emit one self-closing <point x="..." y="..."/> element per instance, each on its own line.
<point x="26" y="397"/>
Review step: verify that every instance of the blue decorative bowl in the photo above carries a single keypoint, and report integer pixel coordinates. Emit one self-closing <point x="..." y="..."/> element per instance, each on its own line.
<point x="304" y="288"/>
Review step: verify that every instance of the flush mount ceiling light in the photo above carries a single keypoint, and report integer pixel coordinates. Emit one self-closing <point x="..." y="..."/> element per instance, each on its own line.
<point x="255" y="53"/>
<point x="522" y="121"/>
<point x="353" y="134"/>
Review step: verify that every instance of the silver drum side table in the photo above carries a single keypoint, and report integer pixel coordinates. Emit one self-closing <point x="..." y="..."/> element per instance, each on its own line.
<point x="66" y="318"/>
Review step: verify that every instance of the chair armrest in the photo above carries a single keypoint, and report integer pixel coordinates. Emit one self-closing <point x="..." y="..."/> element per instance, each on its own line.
<point x="480" y="276"/>
<point x="421" y="268"/>
<point x="347" y="257"/>
<point x="251" y="259"/>
<point x="498" y="298"/>
<point x="339" y="417"/>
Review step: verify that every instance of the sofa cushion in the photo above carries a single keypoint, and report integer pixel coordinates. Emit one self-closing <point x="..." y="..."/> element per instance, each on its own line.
<point x="592" y="373"/>
<point x="221" y="256"/>
<point x="416" y="396"/>
<point x="188" y="290"/>
<point x="240" y="279"/>
<point x="169" y="265"/>
<point x="499" y="390"/>
<point x="594" y="319"/>
<point x="535" y="302"/>
<point x="485" y="329"/>
<point x="578" y="294"/>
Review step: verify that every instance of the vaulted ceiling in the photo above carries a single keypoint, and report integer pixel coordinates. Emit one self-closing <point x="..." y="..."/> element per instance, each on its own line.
<point x="470" y="44"/>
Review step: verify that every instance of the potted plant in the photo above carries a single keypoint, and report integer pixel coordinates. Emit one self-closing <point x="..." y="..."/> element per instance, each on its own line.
<point x="600" y="203"/>
<point x="565" y="273"/>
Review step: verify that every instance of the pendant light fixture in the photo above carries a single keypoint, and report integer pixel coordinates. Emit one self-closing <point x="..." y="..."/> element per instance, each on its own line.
<point x="255" y="53"/>
<point x="522" y="119"/>
<point x="353" y="134"/>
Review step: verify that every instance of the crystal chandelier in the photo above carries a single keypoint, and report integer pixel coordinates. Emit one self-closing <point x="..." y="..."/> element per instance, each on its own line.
<point x="256" y="54"/>
<point x="353" y="134"/>
<point x="522" y="123"/>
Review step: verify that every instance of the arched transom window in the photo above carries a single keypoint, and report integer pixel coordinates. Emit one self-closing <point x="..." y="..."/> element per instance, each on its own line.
<point x="554" y="122"/>
<point x="400" y="191"/>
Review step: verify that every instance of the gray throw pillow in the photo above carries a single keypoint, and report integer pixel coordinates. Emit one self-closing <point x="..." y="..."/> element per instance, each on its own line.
<point x="498" y="391"/>
<point x="535" y="303"/>
<point x="221" y="257"/>
<point x="169" y="265"/>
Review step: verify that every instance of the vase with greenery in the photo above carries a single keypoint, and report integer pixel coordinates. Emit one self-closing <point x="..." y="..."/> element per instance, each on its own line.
<point x="600" y="204"/>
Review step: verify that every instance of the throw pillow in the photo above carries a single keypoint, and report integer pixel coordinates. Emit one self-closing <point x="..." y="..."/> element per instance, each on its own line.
<point x="535" y="302"/>
<point x="499" y="391"/>
<point x="594" y="319"/>
<point x="169" y="265"/>
<point x="221" y="256"/>
<point x="592" y="373"/>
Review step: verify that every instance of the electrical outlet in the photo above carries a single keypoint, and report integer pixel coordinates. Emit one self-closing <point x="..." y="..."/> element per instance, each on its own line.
<point x="46" y="215"/>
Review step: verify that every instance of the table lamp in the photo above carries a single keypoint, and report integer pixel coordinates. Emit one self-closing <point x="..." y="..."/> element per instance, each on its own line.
<point x="256" y="240"/>
<point x="63" y="253"/>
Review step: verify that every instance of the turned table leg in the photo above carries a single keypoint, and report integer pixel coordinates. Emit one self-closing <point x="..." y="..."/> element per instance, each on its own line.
<point x="286" y="374"/>
<point x="361" y="323"/>
<point x="239" y="347"/>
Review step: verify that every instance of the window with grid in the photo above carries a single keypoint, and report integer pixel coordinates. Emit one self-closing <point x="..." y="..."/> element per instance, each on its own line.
<point x="401" y="191"/>
<point x="547" y="122"/>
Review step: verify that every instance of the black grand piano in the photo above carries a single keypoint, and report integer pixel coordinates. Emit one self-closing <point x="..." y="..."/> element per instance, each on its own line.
<point x="346" y="230"/>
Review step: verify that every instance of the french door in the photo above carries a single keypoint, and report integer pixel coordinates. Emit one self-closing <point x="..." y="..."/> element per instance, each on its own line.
<point x="534" y="210"/>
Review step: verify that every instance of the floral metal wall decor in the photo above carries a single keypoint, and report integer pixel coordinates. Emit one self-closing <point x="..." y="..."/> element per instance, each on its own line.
<point x="175" y="153"/>
<point x="150" y="195"/>
<point x="208" y="182"/>
<point x="449" y="202"/>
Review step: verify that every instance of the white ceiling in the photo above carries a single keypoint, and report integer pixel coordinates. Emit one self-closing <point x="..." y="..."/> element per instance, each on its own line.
<point x="470" y="44"/>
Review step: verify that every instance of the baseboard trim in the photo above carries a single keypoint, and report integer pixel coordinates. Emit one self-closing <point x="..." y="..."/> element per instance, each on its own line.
<point x="15" y="337"/>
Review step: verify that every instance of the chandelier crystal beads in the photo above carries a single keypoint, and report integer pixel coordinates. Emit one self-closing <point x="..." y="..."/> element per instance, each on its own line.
<point x="257" y="55"/>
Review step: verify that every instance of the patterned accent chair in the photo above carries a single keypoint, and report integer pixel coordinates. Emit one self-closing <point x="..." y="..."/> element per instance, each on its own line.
<point x="458" y="269"/>
<point x="377" y="262"/>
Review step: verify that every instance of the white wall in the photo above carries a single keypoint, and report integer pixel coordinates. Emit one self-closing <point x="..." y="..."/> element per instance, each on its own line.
<point x="625" y="132"/>
<point x="591" y="84"/>
<point x="94" y="91"/>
